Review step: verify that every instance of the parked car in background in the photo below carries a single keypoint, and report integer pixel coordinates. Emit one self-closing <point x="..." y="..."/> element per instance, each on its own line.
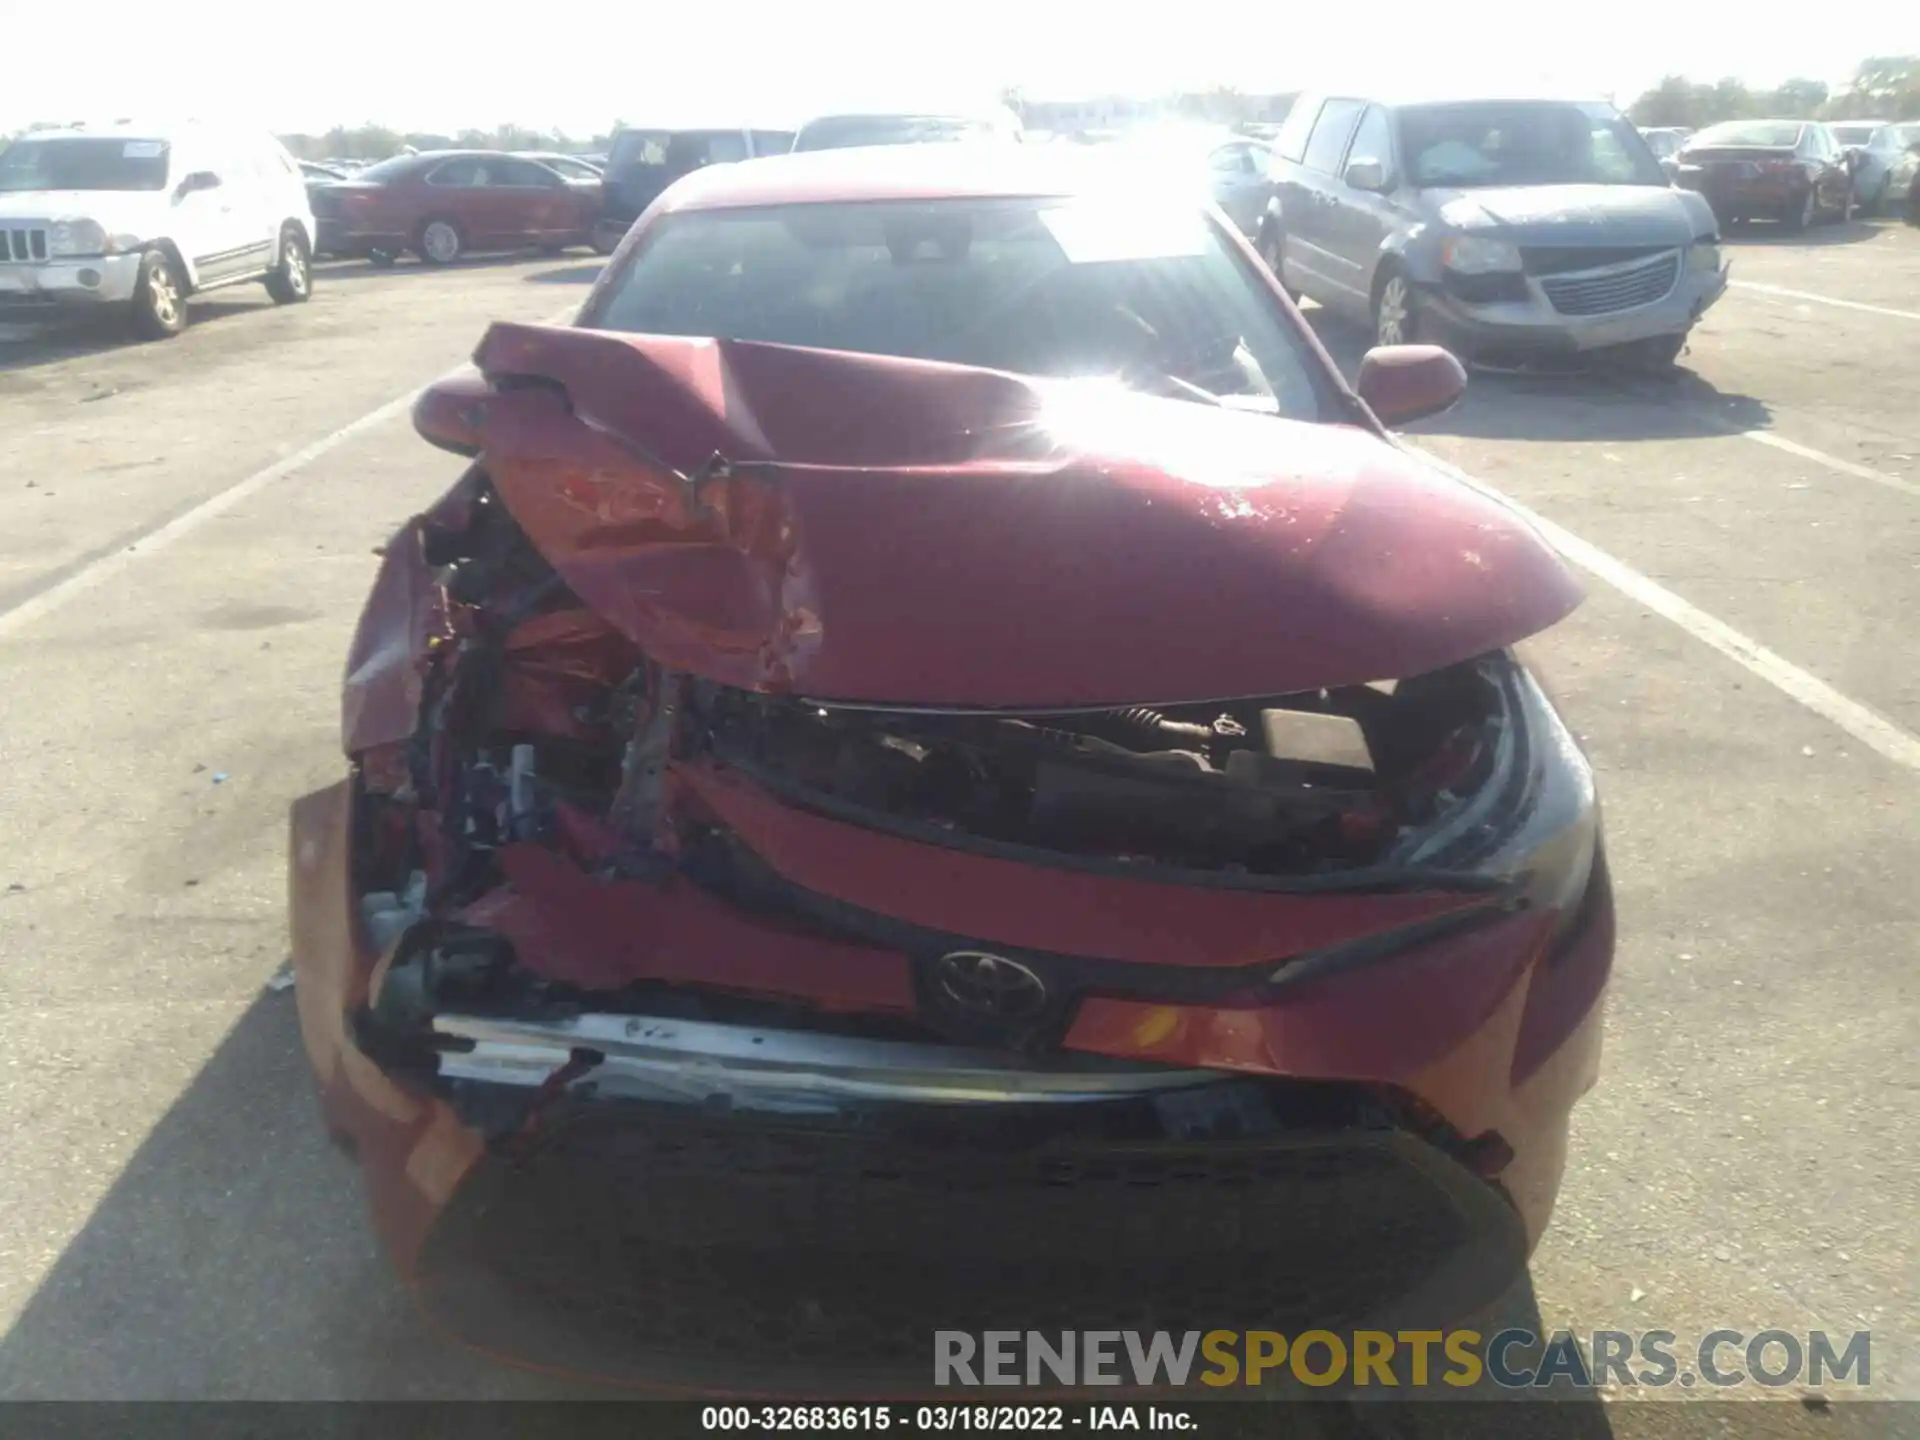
<point x="859" y="129"/>
<point x="443" y="204"/>
<point x="643" y="160"/>
<point x="1790" y="171"/>
<point x="1237" y="170"/>
<point x="1665" y="143"/>
<point x="1505" y="229"/>
<point x="141" y="218"/>
<point x="1880" y="179"/>
<point x="936" y="983"/>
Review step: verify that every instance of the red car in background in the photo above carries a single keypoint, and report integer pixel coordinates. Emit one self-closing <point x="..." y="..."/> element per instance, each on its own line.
<point x="939" y="767"/>
<point x="1790" y="171"/>
<point x="443" y="204"/>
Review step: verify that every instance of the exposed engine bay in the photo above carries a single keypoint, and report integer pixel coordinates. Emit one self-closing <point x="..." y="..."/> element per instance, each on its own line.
<point x="643" y="734"/>
<point x="543" y="728"/>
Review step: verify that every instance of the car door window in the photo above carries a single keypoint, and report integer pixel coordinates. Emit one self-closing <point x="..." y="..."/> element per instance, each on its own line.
<point x="1291" y="142"/>
<point x="726" y="146"/>
<point x="1331" y="132"/>
<point x="521" y="175"/>
<point x="772" y="142"/>
<point x="1230" y="162"/>
<point x="1373" y="140"/>
<point x="458" y="174"/>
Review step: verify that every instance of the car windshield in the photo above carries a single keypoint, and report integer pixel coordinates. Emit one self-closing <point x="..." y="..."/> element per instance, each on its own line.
<point x="84" y="164"/>
<point x="1854" y="134"/>
<point x="1530" y="142"/>
<point x="1153" y="296"/>
<point x="1773" y="134"/>
<point x="843" y="132"/>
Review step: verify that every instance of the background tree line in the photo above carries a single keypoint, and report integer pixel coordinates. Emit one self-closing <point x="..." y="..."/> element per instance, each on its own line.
<point x="377" y="142"/>
<point x="1885" y="87"/>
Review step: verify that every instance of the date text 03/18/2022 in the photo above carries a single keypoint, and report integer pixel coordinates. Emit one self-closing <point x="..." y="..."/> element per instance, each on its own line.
<point x="939" y="1419"/>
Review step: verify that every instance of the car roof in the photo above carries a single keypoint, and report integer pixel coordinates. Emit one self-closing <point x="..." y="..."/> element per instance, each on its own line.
<point x="954" y="171"/>
<point x="679" y="124"/>
<point x="463" y="154"/>
<point x="1758" y="120"/>
<point x="1400" y="98"/>
<point x="142" y="129"/>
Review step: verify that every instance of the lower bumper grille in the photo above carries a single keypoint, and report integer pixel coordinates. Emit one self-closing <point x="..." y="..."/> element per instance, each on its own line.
<point x="1621" y="288"/>
<point x="657" y="1246"/>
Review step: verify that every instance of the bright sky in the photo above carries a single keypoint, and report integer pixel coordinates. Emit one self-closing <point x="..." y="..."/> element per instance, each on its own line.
<point x="581" y="64"/>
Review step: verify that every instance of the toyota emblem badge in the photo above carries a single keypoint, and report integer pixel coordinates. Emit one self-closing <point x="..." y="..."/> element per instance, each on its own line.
<point x="989" y="985"/>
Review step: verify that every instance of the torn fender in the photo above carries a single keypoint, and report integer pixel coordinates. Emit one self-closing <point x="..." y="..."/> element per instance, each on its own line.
<point x="904" y="533"/>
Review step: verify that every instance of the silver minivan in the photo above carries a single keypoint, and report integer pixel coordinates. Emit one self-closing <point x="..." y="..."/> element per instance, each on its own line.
<point x="1506" y="230"/>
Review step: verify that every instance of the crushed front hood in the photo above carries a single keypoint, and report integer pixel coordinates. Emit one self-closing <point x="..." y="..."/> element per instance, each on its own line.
<point x="868" y="529"/>
<point x="1584" y="215"/>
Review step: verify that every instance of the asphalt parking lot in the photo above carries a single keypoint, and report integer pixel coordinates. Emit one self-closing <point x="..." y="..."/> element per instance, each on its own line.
<point x="187" y="531"/>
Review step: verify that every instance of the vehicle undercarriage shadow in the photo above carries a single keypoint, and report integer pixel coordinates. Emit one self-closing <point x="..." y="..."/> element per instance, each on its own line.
<point x="1773" y="233"/>
<point x="232" y="1260"/>
<point x="27" y="344"/>
<point x="1593" y="402"/>
<point x="338" y="269"/>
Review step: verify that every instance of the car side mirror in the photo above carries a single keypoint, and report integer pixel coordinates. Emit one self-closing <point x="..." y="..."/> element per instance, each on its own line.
<point x="199" y="180"/>
<point x="1403" y="383"/>
<point x="451" y="413"/>
<point x="1366" y="175"/>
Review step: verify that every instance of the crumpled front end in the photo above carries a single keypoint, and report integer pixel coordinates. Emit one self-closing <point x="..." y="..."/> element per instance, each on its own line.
<point x="981" y="857"/>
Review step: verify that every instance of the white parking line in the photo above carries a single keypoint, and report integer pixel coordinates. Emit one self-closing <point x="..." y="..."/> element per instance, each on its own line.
<point x="1832" y="462"/>
<point x="1868" y="727"/>
<point x="1824" y="299"/>
<point x="139" y="546"/>
<point x="1794" y="447"/>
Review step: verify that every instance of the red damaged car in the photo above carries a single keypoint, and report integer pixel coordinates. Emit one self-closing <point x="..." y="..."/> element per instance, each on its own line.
<point x="939" y="768"/>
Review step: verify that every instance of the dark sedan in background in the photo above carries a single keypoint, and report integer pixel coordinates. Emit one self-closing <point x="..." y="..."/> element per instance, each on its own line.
<point x="445" y="203"/>
<point x="1792" y="171"/>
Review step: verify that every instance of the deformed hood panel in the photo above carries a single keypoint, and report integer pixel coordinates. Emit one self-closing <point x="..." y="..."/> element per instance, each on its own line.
<point x="908" y="533"/>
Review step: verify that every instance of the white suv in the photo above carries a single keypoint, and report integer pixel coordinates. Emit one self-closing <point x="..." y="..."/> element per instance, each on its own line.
<point x="142" y="217"/>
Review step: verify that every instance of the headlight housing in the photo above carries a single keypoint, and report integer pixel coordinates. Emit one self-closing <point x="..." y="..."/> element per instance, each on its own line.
<point x="1530" y="831"/>
<point x="1703" y="256"/>
<point x="1474" y="255"/>
<point x="72" y="239"/>
<point x="1536" y="821"/>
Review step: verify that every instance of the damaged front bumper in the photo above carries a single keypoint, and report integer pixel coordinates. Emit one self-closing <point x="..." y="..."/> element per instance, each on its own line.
<point x="723" y="1208"/>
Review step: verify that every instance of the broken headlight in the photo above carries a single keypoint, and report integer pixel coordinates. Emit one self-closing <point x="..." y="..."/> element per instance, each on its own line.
<point x="1536" y="820"/>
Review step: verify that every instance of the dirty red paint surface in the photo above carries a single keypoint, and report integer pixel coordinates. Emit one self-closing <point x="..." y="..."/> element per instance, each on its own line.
<point x="964" y="538"/>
